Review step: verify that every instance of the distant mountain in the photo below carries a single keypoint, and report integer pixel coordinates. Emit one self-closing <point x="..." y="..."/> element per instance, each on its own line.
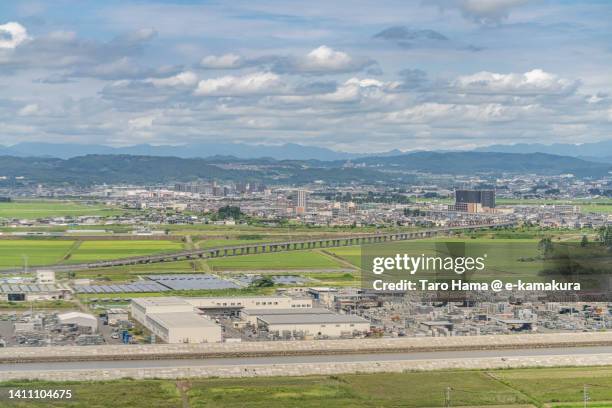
<point x="130" y="169"/>
<point x="591" y="150"/>
<point x="287" y="151"/>
<point x="399" y="169"/>
<point x="488" y="162"/>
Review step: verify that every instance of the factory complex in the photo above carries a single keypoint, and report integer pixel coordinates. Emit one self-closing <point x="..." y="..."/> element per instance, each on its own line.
<point x="217" y="319"/>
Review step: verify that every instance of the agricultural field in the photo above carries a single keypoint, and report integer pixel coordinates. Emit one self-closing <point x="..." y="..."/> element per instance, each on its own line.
<point x="42" y="209"/>
<point x="508" y="258"/>
<point x="215" y="242"/>
<point x="514" y="388"/>
<point x="278" y="260"/>
<point x="89" y="251"/>
<point x="14" y="253"/>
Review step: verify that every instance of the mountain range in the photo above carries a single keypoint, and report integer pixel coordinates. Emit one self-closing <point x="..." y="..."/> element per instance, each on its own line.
<point x="240" y="150"/>
<point x="596" y="151"/>
<point x="398" y="169"/>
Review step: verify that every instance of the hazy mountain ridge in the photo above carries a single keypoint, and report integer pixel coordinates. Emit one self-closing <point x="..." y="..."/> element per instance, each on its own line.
<point x="595" y="150"/>
<point x="285" y="151"/>
<point x="97" y="169"/>
<point x="598" y="151"/>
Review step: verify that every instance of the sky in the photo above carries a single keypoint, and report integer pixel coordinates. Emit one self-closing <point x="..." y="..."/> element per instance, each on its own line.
<point x="356" y="76"/>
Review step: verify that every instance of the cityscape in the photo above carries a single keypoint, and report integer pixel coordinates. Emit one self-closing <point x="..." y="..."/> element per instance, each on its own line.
<point x="272" y="205"/>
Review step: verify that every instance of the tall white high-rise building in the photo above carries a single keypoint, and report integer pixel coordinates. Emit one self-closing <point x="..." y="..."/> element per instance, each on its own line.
<point x="301" y="201"/>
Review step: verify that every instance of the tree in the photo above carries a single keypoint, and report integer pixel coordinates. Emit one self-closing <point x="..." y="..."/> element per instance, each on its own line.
<point x="545" y="245"/>
<point x="584" y="242"/>
<point x="605" y="235"/>
<point x="229" y="211"/>
<point x="263" y="282"/>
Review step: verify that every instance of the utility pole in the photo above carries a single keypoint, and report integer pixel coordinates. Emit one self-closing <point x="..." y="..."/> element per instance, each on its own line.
<point x="585" y="395"/>
<point x="25" y="263"/>
<point x="447" y="397"/>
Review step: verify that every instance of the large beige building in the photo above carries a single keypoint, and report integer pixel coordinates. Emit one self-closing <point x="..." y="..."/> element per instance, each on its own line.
<point x="181" y="327"/>
<point x="181" y="320"/>
<point x="323" y="324"/>
<point x="252" y="316"/>
<point x="174" y="320"/>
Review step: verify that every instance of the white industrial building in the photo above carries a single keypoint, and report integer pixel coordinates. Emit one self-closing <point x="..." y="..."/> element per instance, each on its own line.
<point x="174" y="320"/>
<point x="181" y="327"/>
<point x="45" y="276"/>
<point x="323" y="324"/>
<point x="180" y="320"/>
<point x="233" y="305"/>
<point x="251" y="316"/>
<point x="34" y="291"/>
<point x="80" y="319"/>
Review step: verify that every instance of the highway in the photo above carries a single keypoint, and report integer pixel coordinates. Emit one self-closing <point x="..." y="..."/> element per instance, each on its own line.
<point x="314" y="359"/>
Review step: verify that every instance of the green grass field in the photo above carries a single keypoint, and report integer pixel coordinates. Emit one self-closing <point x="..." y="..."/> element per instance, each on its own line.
<point x="279" y="260"/>
<point x="90" y="251"/>
<point x="41" y="209"/>
<point x="38" y="252"/>
<point x="502" y="254"/>
<point x="516" y="388"/>
<point x="212" y="243"/>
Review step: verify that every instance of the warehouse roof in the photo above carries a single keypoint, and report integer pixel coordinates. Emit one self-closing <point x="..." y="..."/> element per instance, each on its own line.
<point x="160" y="301"/>
<point x="181" y="320"/>
<point x="296" y="311"/>
<point x="321" y="318"/>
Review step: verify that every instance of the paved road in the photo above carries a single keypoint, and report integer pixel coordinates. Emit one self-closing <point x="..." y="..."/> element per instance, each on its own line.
<point x="88" y="365"/>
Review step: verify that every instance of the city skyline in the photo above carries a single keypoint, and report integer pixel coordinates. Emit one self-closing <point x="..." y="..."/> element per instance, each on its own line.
<point x="418" y="75"/>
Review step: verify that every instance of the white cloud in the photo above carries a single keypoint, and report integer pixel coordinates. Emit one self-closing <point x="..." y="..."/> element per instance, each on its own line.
<point x="255" y="83"/>
<point x="534" y="82"/>
<point x="142" y="122"/>
<point x="352" y="90"/>
<point x="186" y="78"/>
<point x="325" y="58"/>
<point x="457" y="113"/>
<point x="483" y="11"/>
<point x="29" y="110"/>
<point x="226" y="61"/>
<point x="12" y="34"/>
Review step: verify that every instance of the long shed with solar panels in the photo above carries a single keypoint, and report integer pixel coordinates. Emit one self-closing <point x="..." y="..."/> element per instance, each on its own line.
<point x="34" y="291"/>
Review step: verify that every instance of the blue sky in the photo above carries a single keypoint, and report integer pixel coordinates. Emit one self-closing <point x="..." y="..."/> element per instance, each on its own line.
<point x="350" y="75"/>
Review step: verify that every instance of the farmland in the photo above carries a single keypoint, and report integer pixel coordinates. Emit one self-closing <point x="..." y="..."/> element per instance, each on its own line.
<point x="13" y="253"/>
<point x="89" y="251"/>
<point x="40" y="209"/>
<point x="511" y="258"/>
<point x="280" y="260"/>
<point x="514" y="388"/>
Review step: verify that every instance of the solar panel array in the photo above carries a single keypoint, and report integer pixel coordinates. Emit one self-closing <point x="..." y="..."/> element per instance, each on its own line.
<point x="30" y="288"/>
<point x="124" y="288"/>
<point x="289" y="280"/>
<point x="193" y="282"/>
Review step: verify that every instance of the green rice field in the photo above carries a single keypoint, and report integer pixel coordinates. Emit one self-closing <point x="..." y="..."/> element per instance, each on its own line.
<point x="509" y="388"/>
<point x="90" y="251"/>
<point x="42" y="209"/>
<point x="13" y="253"/>
<point x="279" y="260"/>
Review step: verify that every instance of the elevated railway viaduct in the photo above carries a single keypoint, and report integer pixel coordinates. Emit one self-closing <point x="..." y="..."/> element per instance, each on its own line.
<point x="268" y="247"/>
